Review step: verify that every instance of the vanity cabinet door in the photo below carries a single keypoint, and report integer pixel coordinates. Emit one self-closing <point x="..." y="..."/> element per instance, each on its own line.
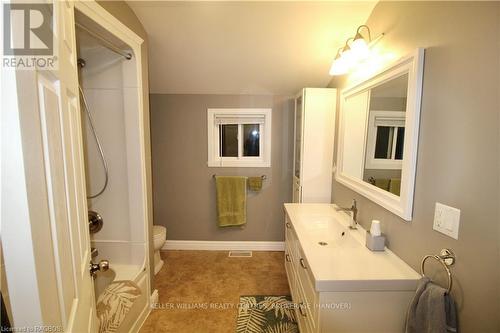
<point x="290" y="273"/>
<point x="290" y="258"/>
<point x="300" y="306"/>
<point x="306" y="286"/>
<point x="298" y="143"/>
<point x="299" y="114"/>
<point x="307" y="323"/>
<point x="297" y="190"/>
<point x="291" y="240"/>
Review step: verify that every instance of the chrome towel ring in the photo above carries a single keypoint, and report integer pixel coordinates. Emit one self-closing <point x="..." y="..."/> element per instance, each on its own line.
<point x="446" y="258"/>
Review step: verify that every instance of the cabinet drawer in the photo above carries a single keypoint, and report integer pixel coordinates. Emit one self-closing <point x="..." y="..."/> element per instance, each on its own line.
<point x="305" y="281"/>
<point x="291" y="240"/>
<point x="290" y="273"/>
<point x="307" y="323"/>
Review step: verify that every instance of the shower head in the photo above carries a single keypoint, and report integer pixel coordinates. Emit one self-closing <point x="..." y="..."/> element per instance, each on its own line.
<point x="81" y="63"/>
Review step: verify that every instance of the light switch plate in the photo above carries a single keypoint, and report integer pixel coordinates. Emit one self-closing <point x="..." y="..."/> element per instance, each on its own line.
<point x="446" y="220"/>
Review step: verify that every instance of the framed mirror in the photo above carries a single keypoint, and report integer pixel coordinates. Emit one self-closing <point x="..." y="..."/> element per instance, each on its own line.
<point x="378" y="135"/>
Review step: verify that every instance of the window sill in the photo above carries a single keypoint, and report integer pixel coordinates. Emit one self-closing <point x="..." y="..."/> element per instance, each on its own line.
<point x="238" y="164"/>
<point x="384" y="165"/>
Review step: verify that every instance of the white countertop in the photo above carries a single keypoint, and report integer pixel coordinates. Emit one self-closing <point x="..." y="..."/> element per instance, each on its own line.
<point x="345" y="264"/>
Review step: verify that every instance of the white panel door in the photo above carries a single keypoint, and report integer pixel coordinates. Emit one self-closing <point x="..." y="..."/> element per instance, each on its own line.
<point x="50" y="128"/>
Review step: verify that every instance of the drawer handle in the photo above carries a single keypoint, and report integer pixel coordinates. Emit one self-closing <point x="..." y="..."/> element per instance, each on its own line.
<point x="288" y="225"/>
<point x="288" y="258"/>
<point x="303" y="263"/>
<point x="301" y="309"/>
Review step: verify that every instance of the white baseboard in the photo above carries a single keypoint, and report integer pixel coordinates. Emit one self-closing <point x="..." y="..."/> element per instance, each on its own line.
<point x="223" y="245"/>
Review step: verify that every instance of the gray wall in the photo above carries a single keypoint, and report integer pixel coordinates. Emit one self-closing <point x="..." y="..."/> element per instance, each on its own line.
<point x="184" y="190"/>
<point x="388" y="103"/>
<point x="458" y="155"/>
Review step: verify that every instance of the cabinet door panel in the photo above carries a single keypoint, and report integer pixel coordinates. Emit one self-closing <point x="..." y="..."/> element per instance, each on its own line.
<point x="299" y="115"/>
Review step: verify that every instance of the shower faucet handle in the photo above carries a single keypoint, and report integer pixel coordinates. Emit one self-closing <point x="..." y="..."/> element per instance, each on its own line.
<point x="102" y="266"/>
<point x="95" y="222"/>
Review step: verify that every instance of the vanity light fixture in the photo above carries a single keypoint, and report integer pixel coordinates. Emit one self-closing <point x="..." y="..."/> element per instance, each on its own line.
<point x="351" y="53"/>
<point x="359" y="46"/>
<point x="346" y="50"/>
<point x="343" y="60"/>
<point x="339" y="65"/>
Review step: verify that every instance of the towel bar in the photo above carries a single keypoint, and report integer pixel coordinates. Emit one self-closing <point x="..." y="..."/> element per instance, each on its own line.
<point x="264" y="177"/>
<point x="445" y="258"/>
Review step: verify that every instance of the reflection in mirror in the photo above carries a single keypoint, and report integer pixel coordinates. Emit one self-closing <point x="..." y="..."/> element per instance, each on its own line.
<point x="385" y="134"/>
<point x="379" y="121"/>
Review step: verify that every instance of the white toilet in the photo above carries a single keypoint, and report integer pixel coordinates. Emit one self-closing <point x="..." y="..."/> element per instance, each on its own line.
<point x="159" y="239"/>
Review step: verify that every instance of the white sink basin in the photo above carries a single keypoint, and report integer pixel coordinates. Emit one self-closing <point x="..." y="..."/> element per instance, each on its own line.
<point x="344" y="263"/>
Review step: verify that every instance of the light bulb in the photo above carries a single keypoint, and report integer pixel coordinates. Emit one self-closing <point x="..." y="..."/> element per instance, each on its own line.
<point x="340" y="66"/>
<point x="359" y="49"/>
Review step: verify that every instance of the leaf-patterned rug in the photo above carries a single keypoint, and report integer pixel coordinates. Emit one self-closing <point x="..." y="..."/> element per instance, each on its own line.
<point x="266" y="314"/>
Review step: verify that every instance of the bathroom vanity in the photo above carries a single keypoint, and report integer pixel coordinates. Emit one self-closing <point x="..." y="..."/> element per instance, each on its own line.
<point x="337" y="283"/>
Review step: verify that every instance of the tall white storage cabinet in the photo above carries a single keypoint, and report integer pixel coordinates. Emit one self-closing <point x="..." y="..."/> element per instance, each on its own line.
<point x="314" y="142"/>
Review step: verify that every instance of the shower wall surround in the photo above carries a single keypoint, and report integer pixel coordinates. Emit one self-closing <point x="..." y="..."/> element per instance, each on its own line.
<point x="122" y="11"/>
<point x="105" y="79"/>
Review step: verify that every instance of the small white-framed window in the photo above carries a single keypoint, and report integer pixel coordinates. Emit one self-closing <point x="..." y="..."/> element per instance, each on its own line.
<point x="239" y="137"/>
<point x="385" y="140"/>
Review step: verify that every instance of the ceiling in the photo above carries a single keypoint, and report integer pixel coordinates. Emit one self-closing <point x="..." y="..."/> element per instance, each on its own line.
<point x="245" y="47"/>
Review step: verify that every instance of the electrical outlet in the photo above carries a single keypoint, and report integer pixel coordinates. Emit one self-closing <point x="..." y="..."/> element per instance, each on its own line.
<point x="446" y="220"/>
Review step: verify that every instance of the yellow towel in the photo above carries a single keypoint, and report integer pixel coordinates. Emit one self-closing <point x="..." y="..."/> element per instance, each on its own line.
<point x="231" y="201"/>
<point x="382" y="183"/>
<point x="255" y="184"/>
<point x="395" y="186"/>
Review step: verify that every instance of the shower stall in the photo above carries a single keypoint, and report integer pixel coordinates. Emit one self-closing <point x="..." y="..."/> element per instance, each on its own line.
<point x="114" y="154"/>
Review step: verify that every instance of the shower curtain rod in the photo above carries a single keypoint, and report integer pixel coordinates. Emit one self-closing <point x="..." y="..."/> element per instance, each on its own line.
<point x="106" y="43"/>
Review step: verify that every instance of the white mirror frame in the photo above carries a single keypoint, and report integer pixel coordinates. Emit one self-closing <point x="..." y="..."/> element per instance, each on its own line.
<point x="400" y="205"/>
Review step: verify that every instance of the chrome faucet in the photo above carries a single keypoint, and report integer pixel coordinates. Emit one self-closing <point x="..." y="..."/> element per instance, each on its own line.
<point x="354" y="214"/>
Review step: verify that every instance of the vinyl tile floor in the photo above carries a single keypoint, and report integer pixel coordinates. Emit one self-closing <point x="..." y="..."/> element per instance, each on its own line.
<point x="199" y="290"/>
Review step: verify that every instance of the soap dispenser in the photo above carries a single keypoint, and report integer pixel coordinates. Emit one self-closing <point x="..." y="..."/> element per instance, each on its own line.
<point x="375" y="241"/>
